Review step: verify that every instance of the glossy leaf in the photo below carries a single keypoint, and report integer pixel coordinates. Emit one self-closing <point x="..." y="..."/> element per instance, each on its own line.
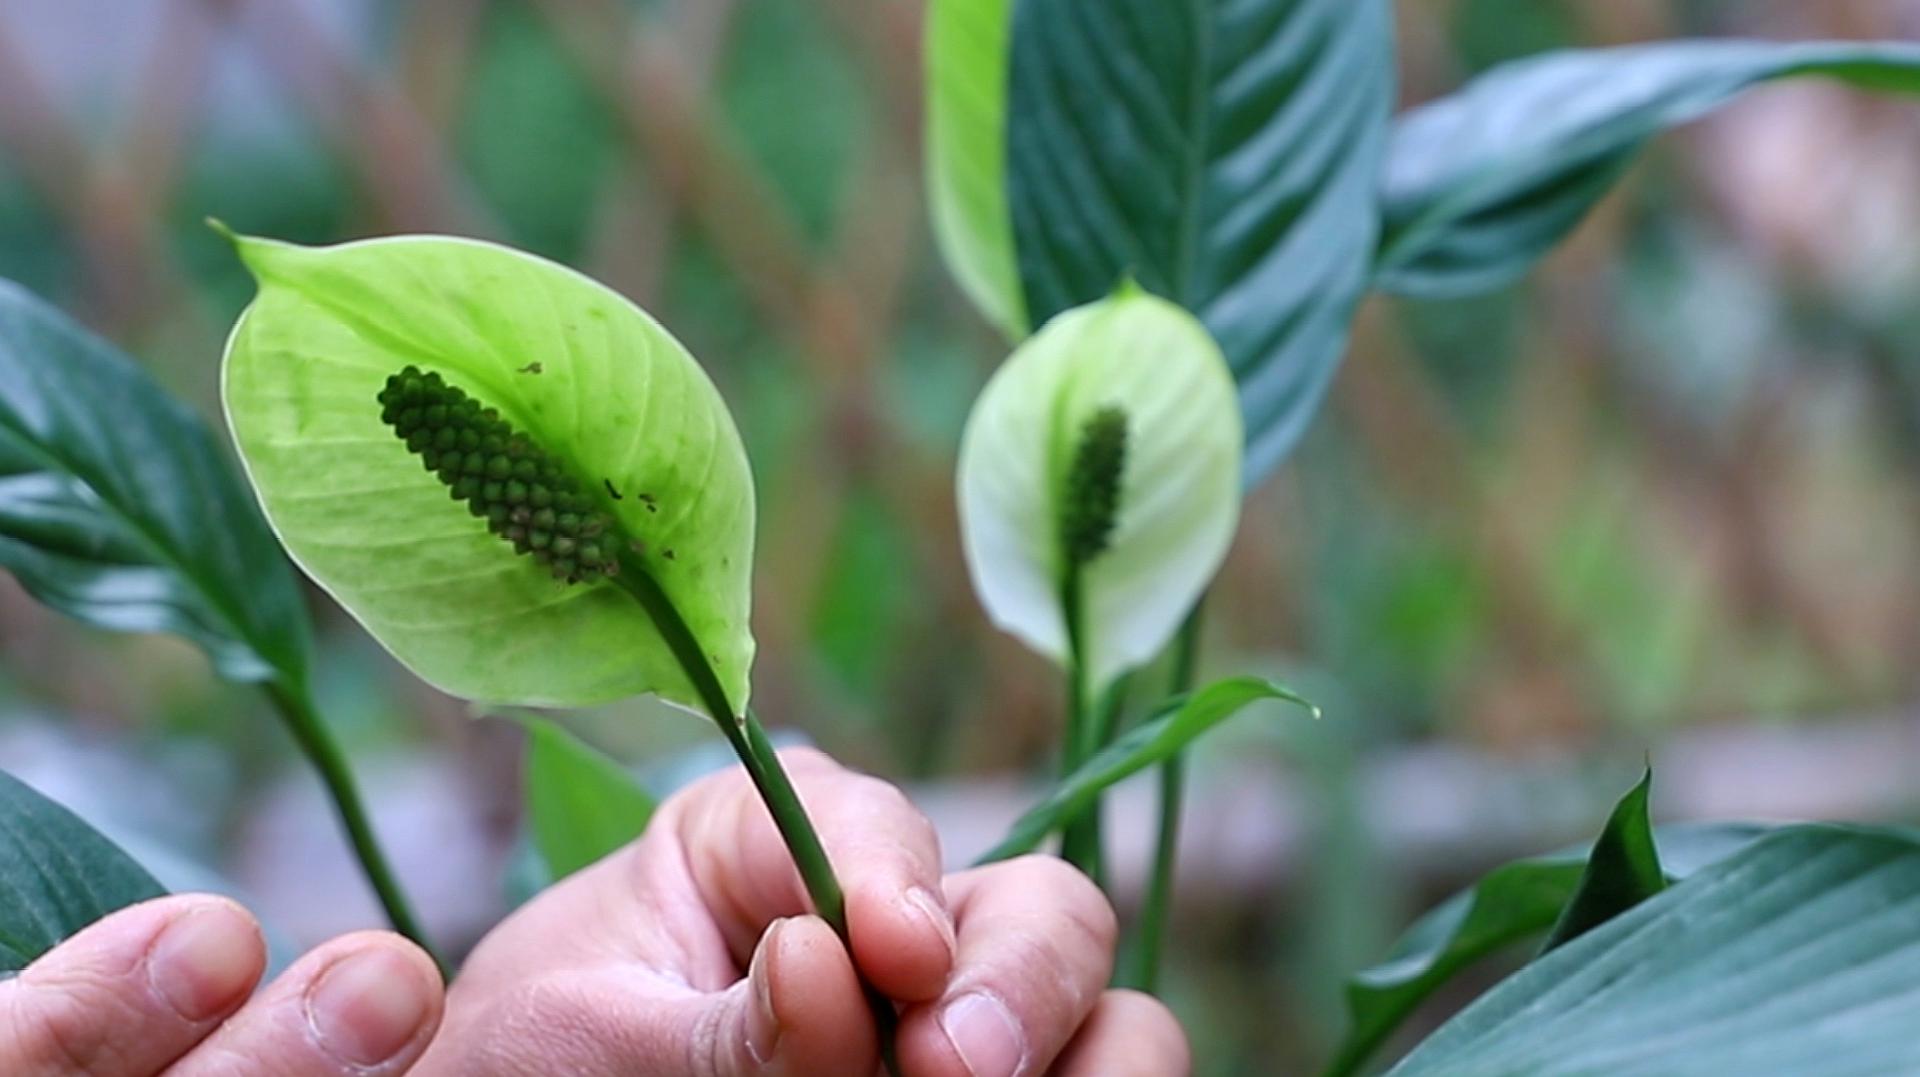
<point x="966" y="50"/>
<point x="1796" y="955"/>
<point x="1622" y="871"/>
<point x="1225" y="155"/>
<point x="1509" y="905"/>
<point x="581" y="804"/>
<point x="57" y="875"/>
<point x="1154" y="740"/>
<point x="1179" y="486"/>
<point x="585" y="374"/>
<point x="1479" y="184"/>
<point x="118" y="508"/>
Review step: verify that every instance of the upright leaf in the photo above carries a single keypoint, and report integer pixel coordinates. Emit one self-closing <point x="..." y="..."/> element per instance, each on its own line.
<point x="1622" y="871"/>
<point x="117" y="506"/>
<point x="1226" y="155"/>
<point x="57" y="875"/>
<point x="581" y="804"/>
<point x="1512" y="904"/>
<point x="593" y="381"/>
<point x="966" y="52"/>
<point x="1479" y="184"/>
<point x="1155" y="740"/>
<point x="1796" y="955"/>
<point x="1178" y="488"/>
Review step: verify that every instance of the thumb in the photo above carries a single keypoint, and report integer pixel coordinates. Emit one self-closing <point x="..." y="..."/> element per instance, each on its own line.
<point x="129" y="995"/>
<point x="798" y="1012"/>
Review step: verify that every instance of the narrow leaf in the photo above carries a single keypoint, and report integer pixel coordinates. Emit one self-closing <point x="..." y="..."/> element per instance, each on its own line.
<point x="582" y="805"/>
<point x="1177" y="724"/>
<point x="591" y="385"/>
<point x="966" y="50"/>
<point x="1178" y="492"/>
<point x="1481" y="183"/>
<point x="1622" y="871"/>
<point x="1226" y="155"/>
<point x="1794" y="955"/>
<point x="1507" y="906"/>
<point x="57" y="875"/>
<point x="118" y="508"/>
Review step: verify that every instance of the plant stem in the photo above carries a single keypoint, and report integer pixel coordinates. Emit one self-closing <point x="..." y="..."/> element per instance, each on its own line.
<point x="1140" y="968"/>
<point x="303" y="721"/>
<point x="1080" y="840"/>
<point x="749" y="740"/>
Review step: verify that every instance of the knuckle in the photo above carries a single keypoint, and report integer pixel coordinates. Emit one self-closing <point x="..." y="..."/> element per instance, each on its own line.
<point x="1084" y="904"/>
<point x="878" y="799"/>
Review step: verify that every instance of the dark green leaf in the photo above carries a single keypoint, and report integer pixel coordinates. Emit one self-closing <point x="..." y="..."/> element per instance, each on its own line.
<point x="118" y="508"/>
<point x="1481" y="183"/>
<point x="1509" y="905"/>
<point x="1622" y="871"/>
<point x="57" y="875"/>
<point x="1174" y="726"/>
<point x="1225" y="155"/>
<point x="1798" y="955"/>
<point x="581" y="804"/>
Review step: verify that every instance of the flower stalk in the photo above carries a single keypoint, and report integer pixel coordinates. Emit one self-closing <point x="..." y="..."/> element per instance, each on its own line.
<point x="1089" y="511"/>
<point x="318" y="745"/>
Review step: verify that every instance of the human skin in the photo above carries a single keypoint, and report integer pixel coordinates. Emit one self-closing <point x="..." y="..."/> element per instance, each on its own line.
<point x="167" y="986"/>
<point x="690" y="952"/>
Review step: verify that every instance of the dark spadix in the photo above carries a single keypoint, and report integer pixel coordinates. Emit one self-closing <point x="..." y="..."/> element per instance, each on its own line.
<point x="1092" y="501"/>
<point x="526" y="496"/>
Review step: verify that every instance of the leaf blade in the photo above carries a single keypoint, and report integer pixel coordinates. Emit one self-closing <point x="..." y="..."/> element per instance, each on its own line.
<point x="1479" y="184"/>
<point x="1226" y="156"/>
<point x="1805" y="937"/>
<point x="581" y="805"/>
<point x="118" y="508"/>
<point x="1512" y="903"/>
<point x="1154" y="740"/>
<point x="966" y="50"/>
<point x="1622" y="870"/>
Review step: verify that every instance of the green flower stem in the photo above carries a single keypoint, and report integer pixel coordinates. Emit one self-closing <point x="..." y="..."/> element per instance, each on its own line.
<point x="762" y="763"/>
<point x="1080" y="840"/>
<point x="310" y="733"/>
<point x="1140" y="966"/>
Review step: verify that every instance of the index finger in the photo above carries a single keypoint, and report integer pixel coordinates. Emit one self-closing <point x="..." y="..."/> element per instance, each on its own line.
<point x="884" y="852"/>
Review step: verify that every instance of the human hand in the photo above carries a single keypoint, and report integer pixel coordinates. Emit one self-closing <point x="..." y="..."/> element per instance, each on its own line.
<point x="164" y="986"/>
<point x="635" y="965"/>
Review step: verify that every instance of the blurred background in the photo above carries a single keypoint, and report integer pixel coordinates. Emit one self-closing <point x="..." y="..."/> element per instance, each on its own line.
<point x="1657" y="501"/>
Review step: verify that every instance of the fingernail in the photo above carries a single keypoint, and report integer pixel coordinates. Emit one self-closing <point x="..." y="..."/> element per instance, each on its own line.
<point x="763" y="1025"/>
<point x="924" y="905"/>
<point x="368" y="1006"/>
<point x="205" y="960"/>
<point x="984" y="1034"/>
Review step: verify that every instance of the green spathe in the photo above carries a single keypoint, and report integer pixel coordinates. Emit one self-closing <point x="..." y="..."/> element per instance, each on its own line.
<point x="588" y="376"/>
<point x="1179" y="497"/>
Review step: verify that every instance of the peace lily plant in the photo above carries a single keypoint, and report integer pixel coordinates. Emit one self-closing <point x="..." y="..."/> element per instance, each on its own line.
<point x="532" y="495"/>
<point x="516" y="480"/>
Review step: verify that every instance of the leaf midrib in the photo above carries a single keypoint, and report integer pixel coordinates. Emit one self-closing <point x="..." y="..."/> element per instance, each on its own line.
<point x="1194" y="164"/>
